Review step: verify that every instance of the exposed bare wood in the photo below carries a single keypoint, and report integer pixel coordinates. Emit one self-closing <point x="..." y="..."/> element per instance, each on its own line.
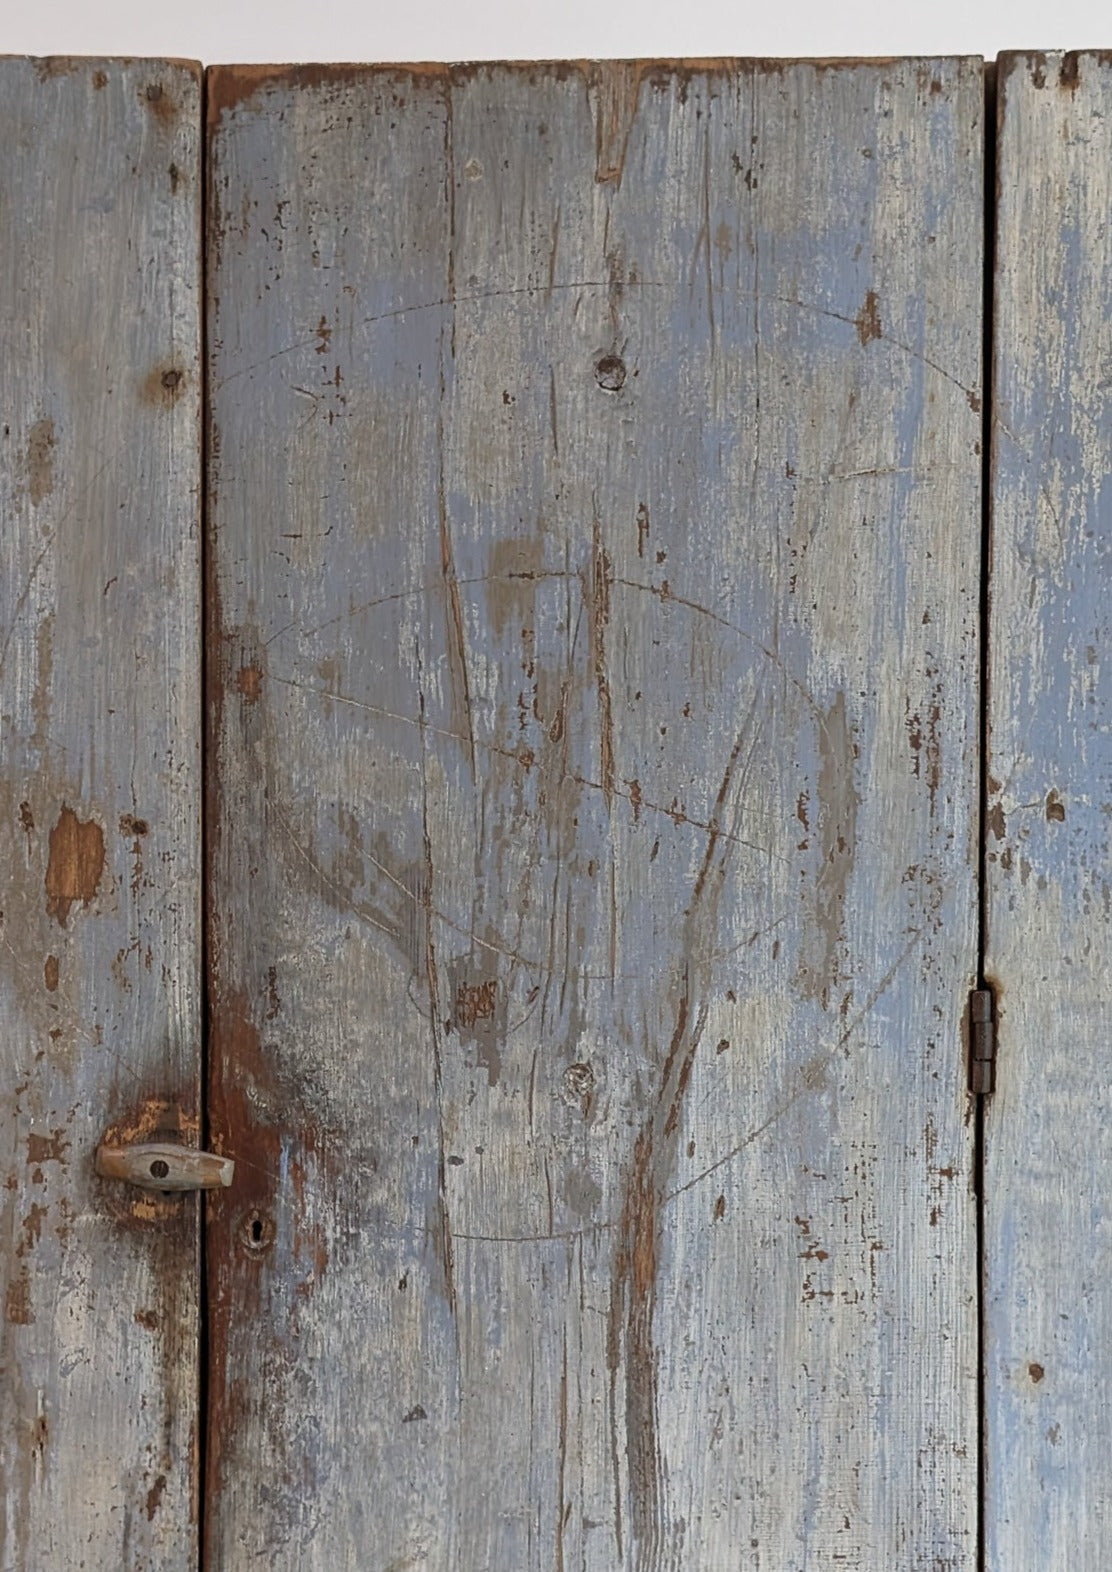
<point x="595" y="502"/>
<point x="99" y="806"/>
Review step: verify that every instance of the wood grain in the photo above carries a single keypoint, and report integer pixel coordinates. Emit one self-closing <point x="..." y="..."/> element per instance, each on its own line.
<point x="1048" y="1141"/>
<point x="593" y="641"/>
<point x="99" y="805"/>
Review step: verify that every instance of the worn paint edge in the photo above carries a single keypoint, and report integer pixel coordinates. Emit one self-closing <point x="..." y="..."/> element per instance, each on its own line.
<point x="1063" y="66"/>
<point x="70" y="65"/>
<point x="231" y="86"/>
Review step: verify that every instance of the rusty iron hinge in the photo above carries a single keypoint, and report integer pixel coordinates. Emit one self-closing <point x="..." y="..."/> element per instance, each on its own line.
<point x="982" y="1041"/>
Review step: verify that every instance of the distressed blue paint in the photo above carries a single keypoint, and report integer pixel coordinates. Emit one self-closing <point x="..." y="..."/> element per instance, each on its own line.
<point x="100" y="717"/>
<point x="653" y="710"/>
<point x="1048" y="1149"/>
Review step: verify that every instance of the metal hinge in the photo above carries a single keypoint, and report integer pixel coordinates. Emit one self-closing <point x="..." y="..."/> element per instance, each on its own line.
<point x="982" y="1041"/>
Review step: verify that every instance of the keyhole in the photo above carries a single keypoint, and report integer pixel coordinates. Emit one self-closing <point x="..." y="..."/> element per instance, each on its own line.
<point x="256" y="1232"/>
<point x="159" y="1168"/>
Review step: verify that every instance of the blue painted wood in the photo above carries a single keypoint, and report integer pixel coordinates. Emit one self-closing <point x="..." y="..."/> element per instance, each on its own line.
<point x="1048" y="1138"/>
<point x="100" y="1002"/>
<point x="595" y="499"/>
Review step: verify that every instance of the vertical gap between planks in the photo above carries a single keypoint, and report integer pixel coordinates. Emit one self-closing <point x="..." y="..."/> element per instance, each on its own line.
<point x="988" y="283"/>
<point x="207" y="787"/>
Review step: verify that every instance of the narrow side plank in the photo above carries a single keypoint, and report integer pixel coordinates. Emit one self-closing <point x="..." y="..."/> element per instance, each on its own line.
<point x="1049" y="1141"/>
<point x="99" y="805"/>
<point x="594" y="500"/>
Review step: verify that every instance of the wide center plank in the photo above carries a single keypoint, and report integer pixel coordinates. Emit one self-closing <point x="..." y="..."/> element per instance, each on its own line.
<point x="593" y="654"/>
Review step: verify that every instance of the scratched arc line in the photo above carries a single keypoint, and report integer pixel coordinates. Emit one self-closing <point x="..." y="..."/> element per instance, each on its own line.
<point x="311" y="340"/>
<point x="360" y="910"/>
<point x="839" y="1049"/>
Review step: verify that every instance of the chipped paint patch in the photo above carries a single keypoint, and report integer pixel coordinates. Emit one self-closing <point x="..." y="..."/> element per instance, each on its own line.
<point x="868" y="320"/>
<point x="249" y="681"/>
<point x="162" y="105"/>
<point x="47" y="1148"/>
<point x="40" y="461"/>
<point x="479" y="1006"/>
<point x="76" y="864"/>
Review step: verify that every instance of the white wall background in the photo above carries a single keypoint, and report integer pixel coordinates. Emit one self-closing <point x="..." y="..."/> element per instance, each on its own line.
<point x="273" y="30"/>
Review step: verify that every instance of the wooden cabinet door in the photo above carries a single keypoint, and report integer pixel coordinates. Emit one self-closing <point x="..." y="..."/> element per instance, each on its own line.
<point x="1048" y="1142"/>
<point x="100" y="1018"/>
<point x="594" y="701"/>
<point x="593" y="685"/>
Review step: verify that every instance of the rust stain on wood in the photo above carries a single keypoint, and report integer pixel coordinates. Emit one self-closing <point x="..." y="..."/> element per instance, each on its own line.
<point x="868" y="320"/>
<point x="47" y="67"/>
<point x="40" y="460"/>
<point x="163" y="386"/>
<point x="161" y="103"/>
<point x="1033" y="59"/>
<point x="230" y="87"/>
<point x="17" y="1301"/>
<point x="249" y="681"/>
<point x="76" y="864"/>
<point x="31" y="1229"/>
<point x="264" y="1231"/>
<point x="479" y="1013"/>
<point x="614" y="84"/>
<point x="475" y="1001"/>
<point x="50" y="973"/>
<point x="244" y="1074"/>
<point x="154" y="1496"/>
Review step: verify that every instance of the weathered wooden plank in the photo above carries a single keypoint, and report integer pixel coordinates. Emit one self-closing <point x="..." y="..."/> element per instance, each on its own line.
<point x="594" y="499"/>
<point x="99" y="804"/>
<point x="1049" y="938"/>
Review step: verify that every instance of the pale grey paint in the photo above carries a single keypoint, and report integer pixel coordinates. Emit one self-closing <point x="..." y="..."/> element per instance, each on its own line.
<point x="593" y="898"/>
<point x="99" y="730"/>
<point x="1048" y="1170"/>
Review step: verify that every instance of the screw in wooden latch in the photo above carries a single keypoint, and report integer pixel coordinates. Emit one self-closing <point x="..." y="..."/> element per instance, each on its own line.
<point x="160" y="1165"/>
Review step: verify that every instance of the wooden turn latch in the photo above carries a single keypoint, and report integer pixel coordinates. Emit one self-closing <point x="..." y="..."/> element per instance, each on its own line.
<point x="160" y="1165"/>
